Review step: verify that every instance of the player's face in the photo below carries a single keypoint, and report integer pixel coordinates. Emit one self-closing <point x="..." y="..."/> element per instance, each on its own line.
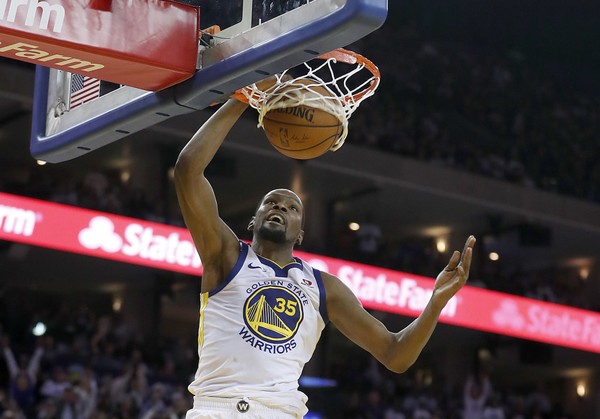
<point x="279" y="217"/>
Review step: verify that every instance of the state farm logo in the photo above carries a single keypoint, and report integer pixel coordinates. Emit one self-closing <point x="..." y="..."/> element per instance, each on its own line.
<point x="138" y="241"/>
<point x="507" y="315"/>
<point x="558" y="323"/>
<point x="101" y="235"/>
<point x="405" y="293"/>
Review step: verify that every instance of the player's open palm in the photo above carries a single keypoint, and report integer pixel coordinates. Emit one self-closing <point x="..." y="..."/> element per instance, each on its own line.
<point x="455" y="274"/>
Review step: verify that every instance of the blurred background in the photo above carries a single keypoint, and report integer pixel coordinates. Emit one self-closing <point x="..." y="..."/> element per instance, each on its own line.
<point x="487" y="122"/>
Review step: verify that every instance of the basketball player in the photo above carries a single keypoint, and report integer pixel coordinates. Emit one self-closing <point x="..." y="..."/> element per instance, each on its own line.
<point x="262" y="310"/>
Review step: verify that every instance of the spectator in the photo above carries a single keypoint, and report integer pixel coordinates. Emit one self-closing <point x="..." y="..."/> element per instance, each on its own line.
<point x="122" y="387"/>
<point x="179" y="406"/>
<point x="421" y="412"/>
<point x="494" y="409"/>
<point x="394" y="411"/>
<point x="23" y="376"/>
<point x="54" y="385"/>
<point x="154" y="406"/>
<point x="86" y="391"/>
<point x="476" y="392"/>
<point x="48" y="409"/>
<point x="70" y="405"/>
<point x="538" y="402"/>
<point x="126" y="409"/>
<point x="373" y="407"/>
<point x="369" y="238"/>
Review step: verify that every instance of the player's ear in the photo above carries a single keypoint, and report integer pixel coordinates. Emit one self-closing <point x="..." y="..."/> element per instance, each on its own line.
<point x="300" y="237"/>
<point x="251" y="224"/>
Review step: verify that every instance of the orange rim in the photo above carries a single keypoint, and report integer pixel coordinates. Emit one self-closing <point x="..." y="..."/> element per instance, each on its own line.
<point x="344" y="56"/>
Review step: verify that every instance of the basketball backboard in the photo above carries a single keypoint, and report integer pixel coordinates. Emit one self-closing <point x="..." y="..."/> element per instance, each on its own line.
<point x="257" y="38"/>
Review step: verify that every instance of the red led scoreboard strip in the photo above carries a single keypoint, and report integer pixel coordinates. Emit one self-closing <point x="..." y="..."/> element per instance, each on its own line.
<point x="166" y="247"/>
<point x="148" y="44"/>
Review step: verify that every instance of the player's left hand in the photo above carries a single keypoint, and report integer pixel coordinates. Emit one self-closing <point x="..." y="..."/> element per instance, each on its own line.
<point x="454" y="275"/>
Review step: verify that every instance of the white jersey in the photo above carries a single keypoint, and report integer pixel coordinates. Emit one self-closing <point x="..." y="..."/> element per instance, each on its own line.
<point x="257" y="330"/>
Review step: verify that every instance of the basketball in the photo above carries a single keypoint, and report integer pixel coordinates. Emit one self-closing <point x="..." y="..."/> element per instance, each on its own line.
<point x="302" y="132"/>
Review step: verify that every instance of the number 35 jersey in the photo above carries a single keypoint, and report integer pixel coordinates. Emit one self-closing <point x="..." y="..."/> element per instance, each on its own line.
<point x="258" y="329"/>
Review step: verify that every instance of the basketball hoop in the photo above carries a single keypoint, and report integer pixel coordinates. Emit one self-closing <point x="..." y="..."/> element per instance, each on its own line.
<point x="344" y="92"/>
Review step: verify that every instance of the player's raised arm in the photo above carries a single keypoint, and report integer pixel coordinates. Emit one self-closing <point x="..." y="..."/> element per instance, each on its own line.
<point x="397" y="351"/>
<point x="217" y="245"/>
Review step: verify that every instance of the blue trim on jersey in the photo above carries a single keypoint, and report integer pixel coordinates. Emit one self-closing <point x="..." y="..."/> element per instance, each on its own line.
<point x="322" y="296"/>
<point x="281" y="271"/>
<point x="234" y="271"/>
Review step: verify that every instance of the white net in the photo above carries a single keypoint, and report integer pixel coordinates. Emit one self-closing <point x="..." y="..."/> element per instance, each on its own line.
<point x="320" y="88"/>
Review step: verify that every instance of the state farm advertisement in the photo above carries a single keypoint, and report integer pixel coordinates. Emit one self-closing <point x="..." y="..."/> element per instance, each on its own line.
<point x="166" y="247"/>
<point x="474" y="308"/>
<point x="97" y="234"/>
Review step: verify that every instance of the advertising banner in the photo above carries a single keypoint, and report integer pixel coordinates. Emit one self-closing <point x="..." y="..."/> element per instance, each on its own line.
<point x="134" y="241"/>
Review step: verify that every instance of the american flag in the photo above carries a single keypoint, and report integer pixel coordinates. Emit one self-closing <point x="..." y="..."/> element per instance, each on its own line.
<point x="83" y="89"/>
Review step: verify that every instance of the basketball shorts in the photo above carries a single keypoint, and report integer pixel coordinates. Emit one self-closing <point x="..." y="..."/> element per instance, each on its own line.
<point x="224" y="408"/>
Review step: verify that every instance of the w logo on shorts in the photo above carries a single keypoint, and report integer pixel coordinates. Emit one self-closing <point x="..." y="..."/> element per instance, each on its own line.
<point x="243" y="406"/>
